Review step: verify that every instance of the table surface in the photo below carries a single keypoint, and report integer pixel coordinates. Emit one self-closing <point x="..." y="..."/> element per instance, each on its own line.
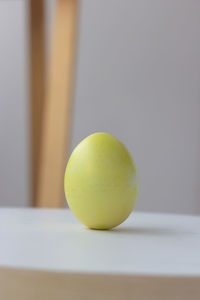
<point x="147" y="243"/>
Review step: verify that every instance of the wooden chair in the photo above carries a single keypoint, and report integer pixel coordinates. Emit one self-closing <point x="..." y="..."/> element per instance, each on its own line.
<point x="51" y="99"/>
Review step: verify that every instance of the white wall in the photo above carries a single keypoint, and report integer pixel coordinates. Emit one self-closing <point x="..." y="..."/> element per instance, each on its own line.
<point x="138" y="72"/>
<point x="139" y="79"/>
<point x="14" y="181"/>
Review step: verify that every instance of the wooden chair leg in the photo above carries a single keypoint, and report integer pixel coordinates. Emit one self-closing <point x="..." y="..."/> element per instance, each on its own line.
<point x="37" y="79"/>
<point x="56" y="122"/>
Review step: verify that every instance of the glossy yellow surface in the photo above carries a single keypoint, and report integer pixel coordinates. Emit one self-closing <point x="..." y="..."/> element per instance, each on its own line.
<point x="101" y="181"/>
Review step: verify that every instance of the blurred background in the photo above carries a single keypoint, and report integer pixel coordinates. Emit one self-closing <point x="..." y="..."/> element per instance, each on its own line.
<point x="137" y="77"/>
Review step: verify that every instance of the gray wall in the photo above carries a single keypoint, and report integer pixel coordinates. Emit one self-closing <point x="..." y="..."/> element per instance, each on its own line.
<point x="138" y="72"/>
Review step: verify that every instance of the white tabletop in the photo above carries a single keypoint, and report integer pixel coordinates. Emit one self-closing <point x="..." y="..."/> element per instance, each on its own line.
<point x="52" y="239"/>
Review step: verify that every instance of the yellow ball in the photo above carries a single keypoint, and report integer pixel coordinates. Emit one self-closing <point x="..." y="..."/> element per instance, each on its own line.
<point x="101" y="182"/>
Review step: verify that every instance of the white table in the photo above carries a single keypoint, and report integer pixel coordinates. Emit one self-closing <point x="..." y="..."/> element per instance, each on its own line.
<point x="47" y="254"/>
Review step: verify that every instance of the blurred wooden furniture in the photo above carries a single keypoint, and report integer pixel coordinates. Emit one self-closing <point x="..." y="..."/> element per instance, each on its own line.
<point x="51" y="91"/>
<point x="47" y="254"/>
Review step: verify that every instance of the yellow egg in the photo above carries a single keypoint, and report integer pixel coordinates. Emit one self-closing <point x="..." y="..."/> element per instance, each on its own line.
<point x="101" y="181"/>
